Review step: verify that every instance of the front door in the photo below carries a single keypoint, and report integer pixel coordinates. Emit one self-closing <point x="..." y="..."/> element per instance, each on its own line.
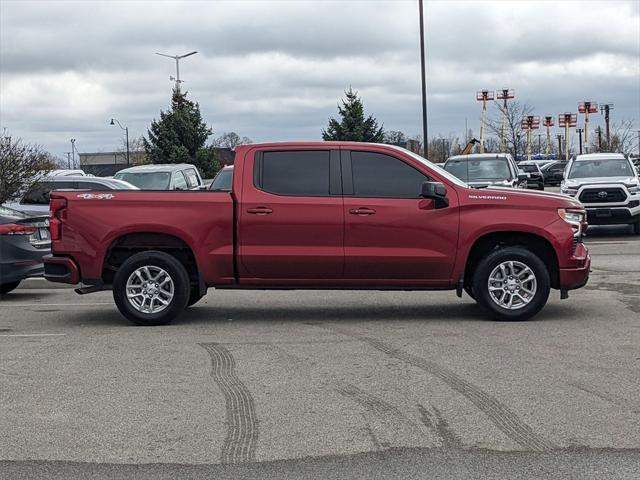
<point x="291" y="215"/>
<point x="390" y="232"/>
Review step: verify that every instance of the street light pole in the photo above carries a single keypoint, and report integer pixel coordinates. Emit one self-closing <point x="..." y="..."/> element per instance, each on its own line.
<point x="177" y="58"/>
<point x="126" y="130"/>
<point x="425" y="137"/>
<point x="73" y="148"/>
<point x="580" y="130"/>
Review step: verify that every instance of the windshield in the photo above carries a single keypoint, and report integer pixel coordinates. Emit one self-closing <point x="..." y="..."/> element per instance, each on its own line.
<point x="490" y="170"/>
<point x="601" y="168"/>
<point x="440" y="171"/>
<point x="146" y="180"/>
<point x="223" y="180"/>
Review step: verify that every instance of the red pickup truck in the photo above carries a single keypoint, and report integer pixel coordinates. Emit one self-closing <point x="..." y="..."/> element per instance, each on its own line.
<point x="324" y="215"/>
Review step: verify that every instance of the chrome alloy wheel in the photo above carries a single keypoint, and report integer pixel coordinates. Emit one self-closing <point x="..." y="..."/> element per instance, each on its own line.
<point x="150" y="289"/>
<point x="512" y="285"/>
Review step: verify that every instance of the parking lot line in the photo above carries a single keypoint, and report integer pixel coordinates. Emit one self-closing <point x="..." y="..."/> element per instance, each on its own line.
<point x="34" y="335"/>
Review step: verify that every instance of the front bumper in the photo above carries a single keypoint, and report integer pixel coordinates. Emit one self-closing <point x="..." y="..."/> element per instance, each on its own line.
<point x="61" y="270"/>
<point x="578" y="276"/>
<point x="612" y="215"/>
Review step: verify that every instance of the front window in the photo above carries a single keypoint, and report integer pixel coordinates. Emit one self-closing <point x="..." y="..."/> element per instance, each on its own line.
<point x="601" y="168"/>
<point x="146" y="180"/>
<point x="379" y="175"/>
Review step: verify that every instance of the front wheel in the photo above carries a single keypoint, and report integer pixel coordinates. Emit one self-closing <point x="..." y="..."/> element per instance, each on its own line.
<point x="636" y="227"/>
<point x="511" y="283"/>
<point x="151" y="288"/>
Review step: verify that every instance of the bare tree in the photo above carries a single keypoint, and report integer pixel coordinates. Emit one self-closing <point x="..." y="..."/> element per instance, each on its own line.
<point x="230" y="140"/>
<point x="395" y="137"/>
<point x="516" y="137"/>
<point x="21" y="166"/>
<point x="623" y="139"/>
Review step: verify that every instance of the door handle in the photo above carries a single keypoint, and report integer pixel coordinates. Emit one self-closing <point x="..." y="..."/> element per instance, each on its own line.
<point x="362" y="211"/>
<point x="259" y="211"/>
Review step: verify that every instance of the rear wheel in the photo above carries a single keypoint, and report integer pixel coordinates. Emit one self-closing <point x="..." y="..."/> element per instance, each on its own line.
<point x="151" y="288"/>
<point x="511" y="283"/>
<point x="8" y="287"/>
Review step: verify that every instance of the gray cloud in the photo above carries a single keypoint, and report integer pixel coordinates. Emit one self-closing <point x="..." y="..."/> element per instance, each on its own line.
<point x="275" y="70"/>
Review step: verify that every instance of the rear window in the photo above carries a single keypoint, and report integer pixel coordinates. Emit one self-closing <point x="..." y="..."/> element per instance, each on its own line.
<point x="146" y="180"/>
<point x="222" y="181"/>
<point x="528" y="168"/>
<point x="192" y="178"/>
<point x="38" y="194"/>
<point x="301" y="173"/>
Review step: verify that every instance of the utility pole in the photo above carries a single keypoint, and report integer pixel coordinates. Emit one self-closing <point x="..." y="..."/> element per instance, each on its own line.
<point x="548" y="123"/>
<point x="177" y="58"/>
<point x="580" y="130"/>
<point x="605" y="109"/>
<point x="540" y="135"/>
<point x="587" y="107"/>
<point x="73" y="148"/>
<point x="504" y="95"/>
<point x="559" y="137"/>
<point x="483" y="96"/>
<point x="423" y="71"/>
<point x="68" y="160"/>
<point x="530" y="122"/>
<point x="599" y="131"/>
<point x="567" y="120"/>
<point x="126" y="130"/>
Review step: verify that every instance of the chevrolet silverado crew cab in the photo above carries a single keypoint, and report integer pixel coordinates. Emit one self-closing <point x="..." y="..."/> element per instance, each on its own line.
<point x="325" y="215"/>
<point x="607" y="184"/>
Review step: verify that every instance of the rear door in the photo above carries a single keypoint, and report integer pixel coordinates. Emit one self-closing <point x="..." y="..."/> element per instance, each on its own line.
<point x="291" y="216"/>
<point x="391" y="233"/>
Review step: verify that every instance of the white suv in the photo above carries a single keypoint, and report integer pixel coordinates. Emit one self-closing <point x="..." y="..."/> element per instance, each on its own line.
<point x="607" y="184"/>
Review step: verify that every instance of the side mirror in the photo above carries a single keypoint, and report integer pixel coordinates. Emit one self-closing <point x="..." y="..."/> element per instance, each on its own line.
<point x="522" y="176"/>
<point x="437" y="192"/>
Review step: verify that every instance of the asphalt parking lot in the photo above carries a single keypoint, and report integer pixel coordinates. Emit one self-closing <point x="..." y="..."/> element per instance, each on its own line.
<point x="327" y="384"/>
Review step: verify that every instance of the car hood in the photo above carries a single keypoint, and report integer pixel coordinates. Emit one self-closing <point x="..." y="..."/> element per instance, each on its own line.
<point x="531" y="197"/>
<point x="575" y="182"/>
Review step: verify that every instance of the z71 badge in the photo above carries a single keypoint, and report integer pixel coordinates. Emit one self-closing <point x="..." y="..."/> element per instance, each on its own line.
<point x="99" y="196"/>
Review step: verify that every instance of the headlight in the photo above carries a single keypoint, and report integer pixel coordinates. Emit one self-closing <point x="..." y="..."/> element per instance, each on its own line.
<point x="569" y="191"/>
<point x="633" y="188"/>
<point x="575" y="218"/>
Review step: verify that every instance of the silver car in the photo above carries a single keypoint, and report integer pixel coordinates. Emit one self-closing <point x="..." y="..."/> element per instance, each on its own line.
<point x="607" y="184"/>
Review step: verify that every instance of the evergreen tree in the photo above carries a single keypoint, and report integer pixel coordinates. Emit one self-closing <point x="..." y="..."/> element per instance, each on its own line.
<point x="180" y="135"/>
<point x="353" y="126"/>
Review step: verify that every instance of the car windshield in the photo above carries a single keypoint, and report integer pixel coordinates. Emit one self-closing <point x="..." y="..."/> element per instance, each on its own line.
<point x="601" y="168"/>
<point x="146" y="180"/>
<point x="470" y="170"/>
<point x="223" y="180"/>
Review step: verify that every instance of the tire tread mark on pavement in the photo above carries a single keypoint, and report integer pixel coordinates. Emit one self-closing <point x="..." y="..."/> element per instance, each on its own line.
<point x="370" y="402"/>
<point x="500" y="415"/>
<point x="440" y="427"/>
<point x="241" y="419"/>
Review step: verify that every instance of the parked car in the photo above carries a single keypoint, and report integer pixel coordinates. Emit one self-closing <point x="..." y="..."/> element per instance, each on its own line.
<point x="24" y="241"/>
<point x="35" y="201"/>
<point x="223" y="179"/>
<point x="339" y="215"/>
<point x="553" y="172"/>
<point x="180" y="176"/>
<point x="608" y="186"/>
<point x="536" y="179"/>
<point x="485" y="169"/>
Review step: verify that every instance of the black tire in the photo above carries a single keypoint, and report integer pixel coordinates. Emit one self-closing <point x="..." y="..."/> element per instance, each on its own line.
<point x="194" y="297"/>
<point x="8" y="287"/>
<point x="493" y="260"/>
<point x="636" y="228"/>
<point x="172" y="267"/>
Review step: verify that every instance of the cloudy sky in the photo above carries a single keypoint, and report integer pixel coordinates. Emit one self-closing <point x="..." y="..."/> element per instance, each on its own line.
<point x="274" y="70"/>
